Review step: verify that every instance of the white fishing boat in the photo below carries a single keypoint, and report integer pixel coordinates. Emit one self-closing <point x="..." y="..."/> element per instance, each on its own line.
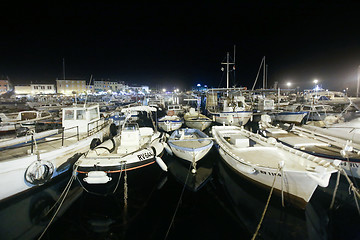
<point x="316" y="143"/>
<point x="29" y="166"/>
<point x="135" y="149"/>
<point x="12" y="121"/>
<point x="297" y="174"/>
<point x="227" y="105"/>
<point x="190" y="144"/>
<point x="289" y="116"/>
<point x="194" y="119"/>
<point x="170" y="123"/>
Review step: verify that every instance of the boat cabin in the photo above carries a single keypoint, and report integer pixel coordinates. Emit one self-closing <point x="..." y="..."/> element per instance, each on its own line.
<point x="85" y="117"/>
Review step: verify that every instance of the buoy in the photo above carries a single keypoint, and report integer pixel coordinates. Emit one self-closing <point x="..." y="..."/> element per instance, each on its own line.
<point x="167" y="148"/>
<point x="161" y="163"/>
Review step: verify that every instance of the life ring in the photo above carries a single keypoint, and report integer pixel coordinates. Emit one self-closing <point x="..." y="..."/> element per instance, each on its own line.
<point x="39" y="172"/>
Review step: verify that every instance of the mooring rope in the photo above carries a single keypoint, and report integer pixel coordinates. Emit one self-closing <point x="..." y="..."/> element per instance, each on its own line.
<point x="335" y="190"/>
<point x="267" y="204"/>
<point x="179" y="202"/>
<point x="352" y="188"/>
<point x="117" y="184"/>
<point x="66" y="191"/>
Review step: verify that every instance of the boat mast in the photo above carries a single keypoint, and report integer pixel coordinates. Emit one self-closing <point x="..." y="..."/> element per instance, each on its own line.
<point x="264" y="74"/>
<point x="227" y="68"/>
<point x="358" y="82"/>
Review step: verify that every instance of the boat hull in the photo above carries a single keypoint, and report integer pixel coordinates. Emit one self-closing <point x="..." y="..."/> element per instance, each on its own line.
<point x="169" y="125"/>
<point x="233" y="118"/>
<point x="291" y="117"/>
<point x="260" y="164"/>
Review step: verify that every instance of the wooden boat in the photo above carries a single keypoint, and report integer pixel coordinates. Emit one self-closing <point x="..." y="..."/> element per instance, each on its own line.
<point x="12" y="121"/>
<point x="190" y="144"/>
<point x="261" y="160"/>
<point x="29" y="166"/>
<point x="134" y="149"/>
<point x="170" y="123"/>
<point x="194" y="119"/>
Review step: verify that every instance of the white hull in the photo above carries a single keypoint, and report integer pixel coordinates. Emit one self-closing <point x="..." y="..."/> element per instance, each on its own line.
<point x="233" y="118"/>
<point x="301" y="173"/>
<point x="198" y="124"/>
<point x="190" y="144"/>
<point x="169" y="123"/>
<point x="291" y="117"/>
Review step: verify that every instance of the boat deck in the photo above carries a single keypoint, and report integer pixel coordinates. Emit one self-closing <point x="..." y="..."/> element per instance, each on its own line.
<point x="49" y="144"/>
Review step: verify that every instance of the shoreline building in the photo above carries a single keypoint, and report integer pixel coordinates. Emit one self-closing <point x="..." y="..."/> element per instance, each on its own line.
<point x="4" y="85"/>
<point x="70" y="87"/>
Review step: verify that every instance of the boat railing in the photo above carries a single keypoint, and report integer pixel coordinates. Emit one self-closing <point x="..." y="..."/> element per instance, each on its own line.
<point x="94" y="127"/>
<point x="64" y="137"/>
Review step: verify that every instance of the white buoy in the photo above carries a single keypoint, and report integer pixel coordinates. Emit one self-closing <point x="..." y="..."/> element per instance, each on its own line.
<point x="168" y="149"/>
<point x="161" y="163"/>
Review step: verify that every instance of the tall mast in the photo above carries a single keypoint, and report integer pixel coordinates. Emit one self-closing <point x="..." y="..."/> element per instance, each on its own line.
<point x="227" y="69"/>
<point x="264" y="74"/>
<point x="358" y="82"/>
<point x="64" y="68"/>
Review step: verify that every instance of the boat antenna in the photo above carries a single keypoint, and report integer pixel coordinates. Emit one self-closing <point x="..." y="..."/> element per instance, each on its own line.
<point x="86" y="92"/>
<point x="64" y="68"/>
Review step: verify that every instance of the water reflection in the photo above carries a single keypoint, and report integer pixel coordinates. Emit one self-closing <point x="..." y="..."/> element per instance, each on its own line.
<point x="26" y="216"/>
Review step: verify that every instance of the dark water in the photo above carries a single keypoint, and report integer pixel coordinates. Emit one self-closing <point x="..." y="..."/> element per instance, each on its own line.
<point x="215" y="203"/>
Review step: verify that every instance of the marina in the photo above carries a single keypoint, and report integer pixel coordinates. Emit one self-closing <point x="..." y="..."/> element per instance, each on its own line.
<point x="179" y="120"/>
<point x="266" y="179"/>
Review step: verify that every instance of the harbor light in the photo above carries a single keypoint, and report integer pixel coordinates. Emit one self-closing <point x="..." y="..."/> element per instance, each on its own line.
<point x="316" y="81"/>
<point x="199" y="85"/>
<point x="288" y="84"/>
<point x="164" y="90"/>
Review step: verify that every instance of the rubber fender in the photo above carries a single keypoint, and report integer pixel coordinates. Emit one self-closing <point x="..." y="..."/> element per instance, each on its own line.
<point x="113" y="129"/>
<point x="94" y="143"/>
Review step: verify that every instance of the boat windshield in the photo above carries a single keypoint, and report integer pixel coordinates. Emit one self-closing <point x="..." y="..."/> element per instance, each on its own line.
<point x="131" y="127"/>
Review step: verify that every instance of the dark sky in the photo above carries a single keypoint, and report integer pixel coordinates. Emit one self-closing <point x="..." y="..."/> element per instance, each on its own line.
<point x="181" y="44"/>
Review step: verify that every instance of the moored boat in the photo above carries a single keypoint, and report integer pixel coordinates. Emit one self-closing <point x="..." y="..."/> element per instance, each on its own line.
<point x="272" y="164"/>
<point x="190" y="144"/>
<point x="30" y="166"/>
<point x="134" y="149"/>
<point x="170" y="123"/>
<point x="194" y="119"/>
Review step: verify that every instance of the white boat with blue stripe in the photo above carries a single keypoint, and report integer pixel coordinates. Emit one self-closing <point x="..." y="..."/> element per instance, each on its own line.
<point x="190" y="144"/>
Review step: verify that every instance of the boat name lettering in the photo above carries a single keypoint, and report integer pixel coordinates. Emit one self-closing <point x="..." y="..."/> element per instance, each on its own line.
<point x="269" y="173"/>
<point x="145" y="155"/>
<point x="351" y="164"/>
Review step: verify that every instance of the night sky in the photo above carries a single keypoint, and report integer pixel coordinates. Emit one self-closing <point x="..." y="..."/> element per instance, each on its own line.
<point x="177" y="45"/>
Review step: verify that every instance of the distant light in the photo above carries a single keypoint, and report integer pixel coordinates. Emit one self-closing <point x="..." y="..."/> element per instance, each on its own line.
<point x="288" y="84"/>
<point x="316" y="81"/>
<point x="199" y="85"/>
<point x="164" y="90"/>
<point x="205" y="86"/>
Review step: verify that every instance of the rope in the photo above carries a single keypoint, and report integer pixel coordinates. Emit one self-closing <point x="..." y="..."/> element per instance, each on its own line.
<point x="178" y="204"/>
<point x="117" y="184"/>
<point x="266" y="206"/>
<point x="335" y="190"/>
<point x="125" y="191"/>
<point x="66" y="190"/>
<point x="351" y="188"/>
